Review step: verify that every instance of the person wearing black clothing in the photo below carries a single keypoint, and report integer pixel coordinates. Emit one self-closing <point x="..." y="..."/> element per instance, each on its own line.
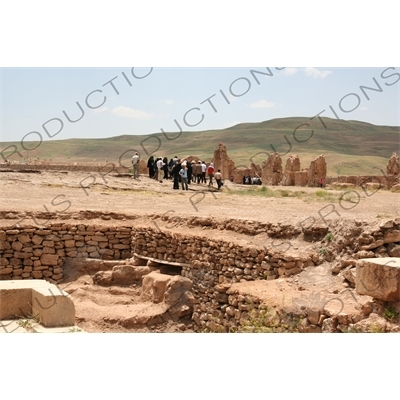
<point x="189" y="171"/>
<point x="175" y="173"/>
<point x="150" y="166"/>
<point x="170" y="167"/>
<point x="165" y="167"/>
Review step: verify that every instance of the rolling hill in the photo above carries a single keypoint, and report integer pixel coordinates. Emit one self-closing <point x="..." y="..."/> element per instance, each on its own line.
<point x="350" y="147"/>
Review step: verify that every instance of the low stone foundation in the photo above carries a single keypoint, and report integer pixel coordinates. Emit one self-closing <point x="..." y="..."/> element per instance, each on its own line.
<point x="31" y="252"/>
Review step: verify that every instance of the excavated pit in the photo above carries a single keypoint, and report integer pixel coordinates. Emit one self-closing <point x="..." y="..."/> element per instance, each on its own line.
<point x="118" y="296"/>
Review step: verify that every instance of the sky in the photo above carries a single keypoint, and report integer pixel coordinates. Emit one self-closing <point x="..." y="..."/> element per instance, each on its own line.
<point x="43" y="102"/>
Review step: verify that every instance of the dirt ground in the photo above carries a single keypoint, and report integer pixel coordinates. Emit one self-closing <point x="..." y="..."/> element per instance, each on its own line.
<point x="31" y="198"/>
<point x="68" y="193"/>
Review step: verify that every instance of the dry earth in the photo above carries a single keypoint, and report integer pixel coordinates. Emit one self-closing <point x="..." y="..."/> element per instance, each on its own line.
<point x="33" y="198"/>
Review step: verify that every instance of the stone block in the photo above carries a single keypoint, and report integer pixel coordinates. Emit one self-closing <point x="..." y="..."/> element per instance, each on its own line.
<point x="15" y="303"/>
<point x="16" y="298"/>
<point x="6" y="271"/>
<point x="17" y="246"/>
<point x="154" y="286"/>
<point x="379" y="278"/>
<point x="49" y="259"/>
<point x="54" y="306"/>
<point x="37" y="239"/>
<point x="37" y="274"/>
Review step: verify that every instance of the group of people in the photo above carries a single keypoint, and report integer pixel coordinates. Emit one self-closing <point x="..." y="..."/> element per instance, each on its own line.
<point x="248" y="180"/>
<point x="181" y="171"/>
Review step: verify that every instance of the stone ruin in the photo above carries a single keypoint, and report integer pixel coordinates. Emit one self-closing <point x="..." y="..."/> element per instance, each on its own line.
<point x="292" y="166"/>
<point x="222" y="161"/>
<point x="292" y="176"/>
<point x="317" y="171"/>
<point x="254" y="170"/>
<point x="393" y="166"/>
<point x="272" y="170"/>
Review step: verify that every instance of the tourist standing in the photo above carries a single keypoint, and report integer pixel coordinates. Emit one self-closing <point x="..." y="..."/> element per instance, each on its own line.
<point x="203" y="172"/>
<point x="165" y="167"/>
<point x="184" y="177"/>
<point x="135" y="165"/>
<point x="175" y="173"/>
<point x="160" y="169"/>
<point x="150" y="166"/>
<point x="210" y="172"/>
<point x="197" y="171"/>
<point x="190" y="171"/>
<point x="218" y="178"/>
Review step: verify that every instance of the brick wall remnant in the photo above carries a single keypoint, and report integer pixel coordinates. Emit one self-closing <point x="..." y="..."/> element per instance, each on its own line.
<point x="222" y="161"/>
<point x="272" y="170"/>
<point x="393" y="166"/>
<point x="317" y="171"/>
<point x="292" y="166"/>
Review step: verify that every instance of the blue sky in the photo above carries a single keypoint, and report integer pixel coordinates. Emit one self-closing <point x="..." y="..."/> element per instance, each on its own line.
<point x="197" y="98"/>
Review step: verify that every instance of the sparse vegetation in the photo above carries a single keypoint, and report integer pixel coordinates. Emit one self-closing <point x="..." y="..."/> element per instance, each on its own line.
<point x="329" y="237"/>
<point x="75" y="329"/>
<point x="26" y="324"/>
<point x="307" y="196"/>
<point x="322" y="251"/>
<point x="376" y="328"/>
<point x="390" y="313"/>
<point x="267" y="320"/>
<point x="383" y="216"/>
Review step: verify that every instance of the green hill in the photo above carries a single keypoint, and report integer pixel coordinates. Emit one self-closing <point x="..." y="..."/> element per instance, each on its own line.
<point x="350" y="147"/>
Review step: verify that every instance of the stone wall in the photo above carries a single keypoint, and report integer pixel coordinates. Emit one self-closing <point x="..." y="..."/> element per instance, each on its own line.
<point x="317" y="171"/>
<point x="272" y="170"/>
<point x="214" y="266"/>
<point x="292" y="166"/>
<point x="301" y="178"/>
<point x="38" y="253"/>
<point x="393" y="166"/>
<point x="380" y="181"/>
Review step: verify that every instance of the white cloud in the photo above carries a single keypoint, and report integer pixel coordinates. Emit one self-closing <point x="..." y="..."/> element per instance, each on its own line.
<point x="131" y="113"/>
<point x="169" y="102"/>
<point x="262" y="104"/>
<point x="316" y="73"/>
<point x="290" y="71"/>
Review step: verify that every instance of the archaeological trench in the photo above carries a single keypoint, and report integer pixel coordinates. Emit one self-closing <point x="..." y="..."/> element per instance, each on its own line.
<point x="340" y="276"/>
